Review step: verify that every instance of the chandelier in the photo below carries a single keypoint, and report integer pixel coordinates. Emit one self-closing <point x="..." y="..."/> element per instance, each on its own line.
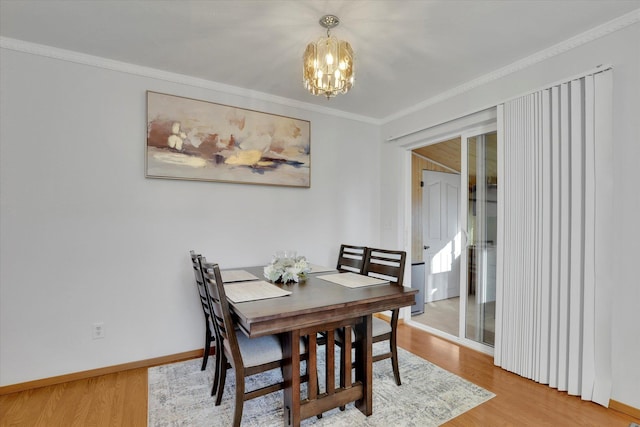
<point x="328" y="63"/>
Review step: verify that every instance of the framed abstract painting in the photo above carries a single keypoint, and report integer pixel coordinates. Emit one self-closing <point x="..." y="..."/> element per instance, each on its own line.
<point x="204" y="141"/>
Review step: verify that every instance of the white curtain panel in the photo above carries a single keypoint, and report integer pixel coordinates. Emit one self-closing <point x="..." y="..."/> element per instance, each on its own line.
<point x="553" y="293"/>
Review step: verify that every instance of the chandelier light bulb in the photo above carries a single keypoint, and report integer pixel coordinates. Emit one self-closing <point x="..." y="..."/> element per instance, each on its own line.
<point x="329" y="59"/>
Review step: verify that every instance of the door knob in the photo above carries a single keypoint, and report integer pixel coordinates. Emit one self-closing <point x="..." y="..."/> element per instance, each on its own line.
<point x="426" y="247"/>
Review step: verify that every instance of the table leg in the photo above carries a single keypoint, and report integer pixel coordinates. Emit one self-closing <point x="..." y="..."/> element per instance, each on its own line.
<point x="364" y="364"/>
<point x="291" y="374"/>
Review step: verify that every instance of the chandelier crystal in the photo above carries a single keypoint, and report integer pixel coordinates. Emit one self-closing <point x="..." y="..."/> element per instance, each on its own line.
<point x="328" y="63"/>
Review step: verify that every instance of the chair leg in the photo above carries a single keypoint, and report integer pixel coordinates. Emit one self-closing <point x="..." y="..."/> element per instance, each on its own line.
<point x="394" y="359"/>
<point x="223" y="378"/>
<point x="239" y="403"/>
<point x="207" y="348"/>
<point x="218" y="368"/>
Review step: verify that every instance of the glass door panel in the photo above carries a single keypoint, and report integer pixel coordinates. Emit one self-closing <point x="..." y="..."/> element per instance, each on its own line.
<point x="479" y="324"/>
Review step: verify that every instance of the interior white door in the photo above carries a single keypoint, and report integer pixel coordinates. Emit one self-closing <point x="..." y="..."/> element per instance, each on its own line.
<point x="441" y="234"/>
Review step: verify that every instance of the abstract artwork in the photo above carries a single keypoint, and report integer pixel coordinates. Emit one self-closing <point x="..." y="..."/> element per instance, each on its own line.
<point x="199" y="140"/>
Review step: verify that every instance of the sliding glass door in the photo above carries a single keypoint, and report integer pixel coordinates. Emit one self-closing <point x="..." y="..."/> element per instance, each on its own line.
<point x="454" y="236"/>
<point x="477" y="319"/>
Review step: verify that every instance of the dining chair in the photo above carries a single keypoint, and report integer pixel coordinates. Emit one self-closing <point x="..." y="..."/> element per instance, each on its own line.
<point x="388" y="265"/>
<point x="351" y="258"/>
<point x="247" y="356"/>
<point x="209" y="332"/>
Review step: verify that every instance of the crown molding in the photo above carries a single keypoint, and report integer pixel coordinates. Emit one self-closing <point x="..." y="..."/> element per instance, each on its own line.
<point x="138" y="70"/>
<point x="582" y="38"/>
<point x="96" y="61"/>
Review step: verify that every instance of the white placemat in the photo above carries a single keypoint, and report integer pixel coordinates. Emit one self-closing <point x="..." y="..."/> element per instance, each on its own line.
<point x="352" y="280"/>
<point x="251" y="291"/>
<point x="315" y="268"/>
<point x="229" y="276"/>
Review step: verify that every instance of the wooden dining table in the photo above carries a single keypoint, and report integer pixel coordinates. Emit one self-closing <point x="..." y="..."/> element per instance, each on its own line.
<point x="317" y="306"/>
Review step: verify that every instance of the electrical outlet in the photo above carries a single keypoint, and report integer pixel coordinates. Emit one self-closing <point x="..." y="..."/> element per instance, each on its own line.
<point x="97" y="331"/>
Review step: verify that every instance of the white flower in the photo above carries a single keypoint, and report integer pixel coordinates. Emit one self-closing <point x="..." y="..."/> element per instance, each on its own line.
<point x="287" y="269"/>
<point x="288" y="276"/>
<point x="302" y="265"/>
<point x="271" y="273"/>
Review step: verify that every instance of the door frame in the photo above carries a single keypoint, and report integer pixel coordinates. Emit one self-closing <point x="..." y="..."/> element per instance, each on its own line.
<point x="463" y="132"/>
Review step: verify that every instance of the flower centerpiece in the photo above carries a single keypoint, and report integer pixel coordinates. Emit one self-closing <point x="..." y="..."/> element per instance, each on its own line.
<point x="287" y="267"/>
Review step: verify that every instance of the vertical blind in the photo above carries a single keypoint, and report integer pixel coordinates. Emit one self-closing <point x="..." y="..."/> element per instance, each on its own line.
<point x="553" y="297"/>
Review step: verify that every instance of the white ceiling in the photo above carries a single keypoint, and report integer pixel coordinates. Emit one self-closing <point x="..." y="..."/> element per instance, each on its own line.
<point x="406" y="51"/>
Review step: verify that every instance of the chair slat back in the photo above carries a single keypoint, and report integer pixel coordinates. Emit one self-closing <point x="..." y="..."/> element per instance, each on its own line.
<point x="351" y="258"/>
<point x="204" y="300"/>
<point x="385" y="264"/>
<point x="221" y="312"/>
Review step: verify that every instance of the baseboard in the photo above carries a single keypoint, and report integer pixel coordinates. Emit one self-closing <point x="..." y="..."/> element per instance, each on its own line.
<point x="625" y="409"/>
<point x="13" y="388"/>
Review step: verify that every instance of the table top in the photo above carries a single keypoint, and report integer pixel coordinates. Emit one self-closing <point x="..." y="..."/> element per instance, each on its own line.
<point x="314" y="301"/>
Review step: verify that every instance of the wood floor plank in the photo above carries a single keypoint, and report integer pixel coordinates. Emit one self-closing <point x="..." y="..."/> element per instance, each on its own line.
<point x="134" y="405"/>
<point x="52" y="404"/>
<point x="120" y="399"/>
<point x="83" y="406"/>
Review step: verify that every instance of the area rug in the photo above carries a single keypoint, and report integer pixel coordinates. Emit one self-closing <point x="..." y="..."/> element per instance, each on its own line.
<point x="180" y="395"/>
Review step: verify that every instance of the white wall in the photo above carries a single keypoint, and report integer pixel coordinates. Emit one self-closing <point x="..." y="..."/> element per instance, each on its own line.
<point x="86" y="238"/>
<point x="620" y="49"/>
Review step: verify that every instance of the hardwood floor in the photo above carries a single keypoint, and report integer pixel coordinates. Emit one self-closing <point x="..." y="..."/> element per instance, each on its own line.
<point x="120" y="399"/>
<point x="112" y="400"/>
<point x="518" y="401"/>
